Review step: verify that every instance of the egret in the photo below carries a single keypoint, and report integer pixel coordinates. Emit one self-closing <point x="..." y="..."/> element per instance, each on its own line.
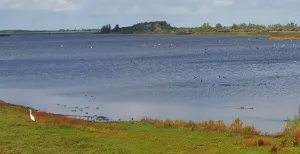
<point x="31" y="116"/>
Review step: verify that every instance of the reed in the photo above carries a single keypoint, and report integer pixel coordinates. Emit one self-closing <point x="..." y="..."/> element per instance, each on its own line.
<point x="211" y="126"/>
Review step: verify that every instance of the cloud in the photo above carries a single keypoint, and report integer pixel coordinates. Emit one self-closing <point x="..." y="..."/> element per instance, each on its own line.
<point x="94" y="13"/>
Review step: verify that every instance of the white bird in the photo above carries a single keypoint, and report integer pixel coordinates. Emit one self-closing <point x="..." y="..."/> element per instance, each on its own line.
<point x="31" y="116"/>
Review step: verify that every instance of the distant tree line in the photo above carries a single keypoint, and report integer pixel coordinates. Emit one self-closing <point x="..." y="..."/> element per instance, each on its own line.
<point x="158" y="27"/>
<point x="243" y="27"/>
<point x="106" y="29"/>
<point x="162" y="27"/>
<point x="146" y="27"/>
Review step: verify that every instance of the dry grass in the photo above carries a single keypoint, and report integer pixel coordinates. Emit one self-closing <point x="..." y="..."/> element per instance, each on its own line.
<point x="237" y="126"/>
<point x="296" y="137"/>
<point x="284" y="35"/>
<point x="274" y="149"/>
<point x="202" y="126"/>
<point x="211" y="126"/>
<point x="44" y="117"/>
<point x="256" y="142"/>
<point x="297" y="134"/>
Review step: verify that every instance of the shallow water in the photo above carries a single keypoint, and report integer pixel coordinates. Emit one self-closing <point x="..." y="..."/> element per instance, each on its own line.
<point x="167" y="77"/>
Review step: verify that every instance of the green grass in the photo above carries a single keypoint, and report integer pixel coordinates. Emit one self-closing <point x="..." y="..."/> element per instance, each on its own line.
<point x="58" y="134"/>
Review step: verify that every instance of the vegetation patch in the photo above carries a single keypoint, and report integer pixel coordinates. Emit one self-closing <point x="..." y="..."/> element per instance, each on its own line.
<point x="284" y="35"/>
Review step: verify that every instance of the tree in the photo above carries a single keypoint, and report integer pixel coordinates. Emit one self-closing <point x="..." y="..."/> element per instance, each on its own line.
<point x="275" y="27"/>
<point x="106" y="29"/>
<point x="234" y="27"/>
<point x="206" y="26"/>
<point x="116" y="29"/>
<point x="243" y="26"/>
<point x="291" y="26"/>
<point x="219" y="26"/>
<point x="109" y="28"/>
<point x="103" y="30"/>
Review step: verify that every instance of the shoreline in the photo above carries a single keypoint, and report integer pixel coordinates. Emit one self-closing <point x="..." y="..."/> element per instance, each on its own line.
<point x="273" y="35"/>
<point x="55" y="133"/>
<point x="104" y="119"/>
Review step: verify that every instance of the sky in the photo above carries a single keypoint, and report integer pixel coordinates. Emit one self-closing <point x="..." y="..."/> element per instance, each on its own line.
<point x="71" y="14"/>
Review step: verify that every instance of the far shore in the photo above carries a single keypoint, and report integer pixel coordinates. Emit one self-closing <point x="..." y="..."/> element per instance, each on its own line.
<point x="274" y="35"/>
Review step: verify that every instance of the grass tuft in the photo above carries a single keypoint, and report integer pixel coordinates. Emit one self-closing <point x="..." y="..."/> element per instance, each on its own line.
<point x="256" y="142"/>
<point x="206" y="126"/>
<point x="274" y="149"/>
<point x="284" y="143"/>
<point x="293" y="125"/>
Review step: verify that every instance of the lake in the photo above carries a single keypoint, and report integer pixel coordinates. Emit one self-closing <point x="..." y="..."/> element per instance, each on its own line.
<point x="167" y="77"/>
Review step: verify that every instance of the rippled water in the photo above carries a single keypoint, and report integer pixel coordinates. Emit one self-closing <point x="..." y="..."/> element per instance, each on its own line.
<point x="175" y="77"/>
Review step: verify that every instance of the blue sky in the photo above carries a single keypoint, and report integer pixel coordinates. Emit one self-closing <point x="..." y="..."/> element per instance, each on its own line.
<point x="57" y="14"/>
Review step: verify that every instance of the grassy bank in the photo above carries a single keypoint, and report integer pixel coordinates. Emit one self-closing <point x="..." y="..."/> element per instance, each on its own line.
<point x="285" y="36"/>
<point x="58" y="134"/>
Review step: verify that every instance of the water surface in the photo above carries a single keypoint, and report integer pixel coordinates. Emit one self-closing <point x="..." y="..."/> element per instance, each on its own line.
<point x="166" y="77"/>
